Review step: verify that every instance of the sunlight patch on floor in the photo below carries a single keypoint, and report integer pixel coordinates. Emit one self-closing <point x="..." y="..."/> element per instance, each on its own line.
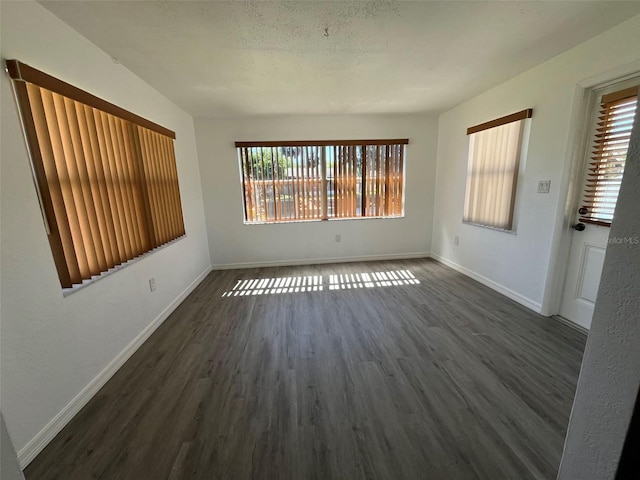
<point x="316" y="283"/>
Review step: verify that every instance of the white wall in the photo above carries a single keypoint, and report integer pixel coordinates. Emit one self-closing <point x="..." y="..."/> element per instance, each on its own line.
<point x="9" y="469"/>
<point x="232" y="243"/>
<point x="610" y="373"/>
<point x="53" y="348"/>
<point x="523" y="266"/>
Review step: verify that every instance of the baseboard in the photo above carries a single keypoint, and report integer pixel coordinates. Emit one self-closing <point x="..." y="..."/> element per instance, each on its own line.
<point x="318" y="261"/>
<point x="42" y="438"/>
<point x="507" y="292"/>
<point x="569" y="323"/>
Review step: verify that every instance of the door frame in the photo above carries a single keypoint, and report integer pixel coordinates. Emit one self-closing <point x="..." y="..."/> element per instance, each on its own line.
<point x="571" y="179"/>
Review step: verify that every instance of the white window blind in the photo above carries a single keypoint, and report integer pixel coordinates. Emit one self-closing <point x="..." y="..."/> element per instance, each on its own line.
<point x="492" y="172"/>
<point x="609" y="151"/>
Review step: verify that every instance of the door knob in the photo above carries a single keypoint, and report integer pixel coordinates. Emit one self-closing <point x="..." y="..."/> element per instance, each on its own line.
<point x="579" y="227"/>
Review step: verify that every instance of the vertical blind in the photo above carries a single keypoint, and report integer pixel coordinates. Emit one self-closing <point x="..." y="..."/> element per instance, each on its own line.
<point x="298" y="181"/>
<point x="608" y="155"/>
<point x="275" y="190"/>
<point x="108" y="185"/>
<point x="492" y="173"/>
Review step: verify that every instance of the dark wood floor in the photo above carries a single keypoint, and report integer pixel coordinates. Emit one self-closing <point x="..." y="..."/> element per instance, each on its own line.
<point x="441" y="379"/>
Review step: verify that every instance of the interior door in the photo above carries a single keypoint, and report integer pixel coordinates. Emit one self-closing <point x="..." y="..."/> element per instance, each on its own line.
<point x="589" y="241"/>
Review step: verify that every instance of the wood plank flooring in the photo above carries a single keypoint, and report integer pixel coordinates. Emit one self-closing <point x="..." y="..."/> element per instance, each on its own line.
<point x="441" y="379"/>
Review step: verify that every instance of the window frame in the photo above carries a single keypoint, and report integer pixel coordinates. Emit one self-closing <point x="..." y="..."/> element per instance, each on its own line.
<point x="360" y="197"/>
<point x="80" y="147"/>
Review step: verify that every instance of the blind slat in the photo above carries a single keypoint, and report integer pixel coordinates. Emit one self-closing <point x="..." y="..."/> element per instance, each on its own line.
<point x="112" y="181"/>
<point x="121" y="188"/>
<point x="125" y="175"/>
<point x="156" y="181"/>
<point x="246" y="184"/>
<point x="354" y="182"/>
<point x="85" y="206"/>
<point x="113" y="215"/>
<point x="139" y="187"/>
<point x="162" y="187"/>
<point x="169" y="186"/>
<point x="170" y="212"/>
<point x="32" y="101"/>
<point x="93" y="200"/>
<point x="53" y="110"/>
<point x="138" y="208"/>
<point x="101" y="197"/>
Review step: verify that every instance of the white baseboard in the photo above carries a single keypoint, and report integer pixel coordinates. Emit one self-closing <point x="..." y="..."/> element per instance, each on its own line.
<point x="57" y="423"/>
<point x="507" y="292"/>
<point x="318" y="261"/>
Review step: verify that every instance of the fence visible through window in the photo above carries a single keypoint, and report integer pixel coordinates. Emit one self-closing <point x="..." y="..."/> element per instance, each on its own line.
<point x="302" y="181"/>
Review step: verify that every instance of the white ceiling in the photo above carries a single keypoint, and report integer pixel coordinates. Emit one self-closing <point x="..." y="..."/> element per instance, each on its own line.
<point x="239" y="58"/>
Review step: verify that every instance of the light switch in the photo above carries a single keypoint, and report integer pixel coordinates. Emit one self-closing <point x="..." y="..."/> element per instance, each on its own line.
<point x="544" y="186"/>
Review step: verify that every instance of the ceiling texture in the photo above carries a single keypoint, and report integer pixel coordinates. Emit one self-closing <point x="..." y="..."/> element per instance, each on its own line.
<point x="237" y="58"/>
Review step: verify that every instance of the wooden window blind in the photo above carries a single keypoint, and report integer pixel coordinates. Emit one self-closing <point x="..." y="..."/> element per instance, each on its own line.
<point x="608" y="155"/>
<point x="492" y="172"/>
<point x="321" y="180"/>
<point x="106" y="178"/>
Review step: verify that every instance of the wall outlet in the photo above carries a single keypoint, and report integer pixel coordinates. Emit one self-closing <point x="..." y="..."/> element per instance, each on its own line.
<point x="152" y="284"/>
<point x="456" y="240"/>
<point x="338" y="238"/>
<point x="544" y="186"/>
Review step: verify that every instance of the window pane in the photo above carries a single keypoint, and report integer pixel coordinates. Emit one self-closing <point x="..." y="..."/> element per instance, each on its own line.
<point x="319" y="182"/>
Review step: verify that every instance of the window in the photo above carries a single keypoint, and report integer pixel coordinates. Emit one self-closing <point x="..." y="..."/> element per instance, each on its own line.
<point x="610" y="143"/>
<point x="492" y="172"/>
<point x="106" y="178"/>
<point x="321" y="180"/>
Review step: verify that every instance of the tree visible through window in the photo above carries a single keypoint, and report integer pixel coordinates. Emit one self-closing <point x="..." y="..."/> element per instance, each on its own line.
<point x="301" y="181"/>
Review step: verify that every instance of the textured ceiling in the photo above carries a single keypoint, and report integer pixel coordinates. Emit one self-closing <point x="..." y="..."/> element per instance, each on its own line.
<point x="262" y="58"/>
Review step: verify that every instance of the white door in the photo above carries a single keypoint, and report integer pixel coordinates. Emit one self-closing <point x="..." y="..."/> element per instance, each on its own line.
<point x="604" y="160"/>
<point x="583" y="274"/>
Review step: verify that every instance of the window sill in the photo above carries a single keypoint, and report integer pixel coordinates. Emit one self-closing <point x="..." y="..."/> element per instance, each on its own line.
<point x="96" y="278"/>
<point x="317" y="220"/>
<point x="487" y="227"/>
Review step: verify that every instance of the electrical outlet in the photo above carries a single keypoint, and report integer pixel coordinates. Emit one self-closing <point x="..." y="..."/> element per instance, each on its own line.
<point x="456" y="240"/>
<point x="152" y="284"/>
<point x="544" y="186"/>
<point x="338" y="238"/>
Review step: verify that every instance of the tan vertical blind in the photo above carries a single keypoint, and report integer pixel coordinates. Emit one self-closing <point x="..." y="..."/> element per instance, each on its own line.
<point x="159" y="177"/>
<point x="321" y="180"/>
<point x="492" y="173"/>
<point x="109" y="186"/>
<point x="347" y="196"/>
<point x="608" y="156"/>
<point x="384" y="185"/>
